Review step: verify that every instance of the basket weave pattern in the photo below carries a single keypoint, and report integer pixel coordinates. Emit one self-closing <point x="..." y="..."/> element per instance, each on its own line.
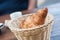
<point x="41" y="33"/>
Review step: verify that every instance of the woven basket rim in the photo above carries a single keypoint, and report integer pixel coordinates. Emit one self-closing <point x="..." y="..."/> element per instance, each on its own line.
<point x="44" y="25"/>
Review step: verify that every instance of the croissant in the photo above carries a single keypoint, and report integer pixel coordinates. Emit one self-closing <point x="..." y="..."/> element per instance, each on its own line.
<point x="35" y="19"/>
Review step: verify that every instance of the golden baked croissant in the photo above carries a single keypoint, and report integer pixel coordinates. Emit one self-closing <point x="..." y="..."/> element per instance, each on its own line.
<point x="35" y="19"/>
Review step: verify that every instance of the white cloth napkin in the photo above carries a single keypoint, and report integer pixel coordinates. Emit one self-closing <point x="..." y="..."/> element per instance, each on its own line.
<point x="15" y="15"/>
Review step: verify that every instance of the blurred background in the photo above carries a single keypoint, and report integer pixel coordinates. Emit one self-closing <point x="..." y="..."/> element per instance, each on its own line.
<point x="41" y="3"/>
<point x="54" y="9"/>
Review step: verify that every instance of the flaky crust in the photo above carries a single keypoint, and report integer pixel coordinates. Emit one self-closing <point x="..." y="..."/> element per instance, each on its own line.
<point x="35" y="19"/>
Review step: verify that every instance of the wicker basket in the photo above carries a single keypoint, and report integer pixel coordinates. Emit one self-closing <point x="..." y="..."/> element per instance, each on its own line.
<point x="41" y="32"/>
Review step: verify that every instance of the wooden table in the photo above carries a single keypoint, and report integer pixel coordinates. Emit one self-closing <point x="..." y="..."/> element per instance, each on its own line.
<point x="6" y="33"/>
